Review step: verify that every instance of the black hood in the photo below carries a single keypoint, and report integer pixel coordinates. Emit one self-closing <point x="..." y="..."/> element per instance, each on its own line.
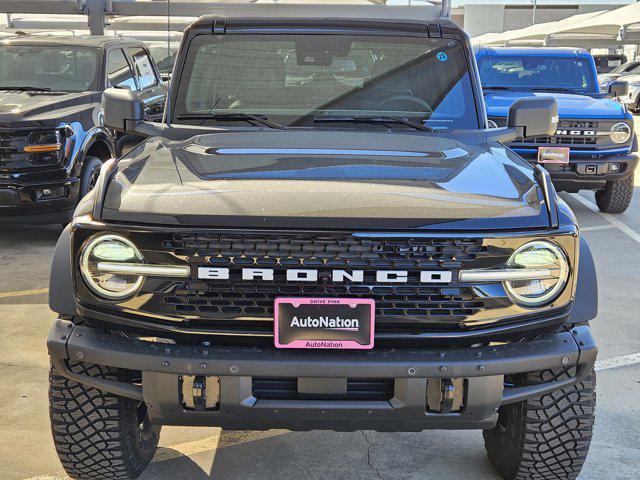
<point x="325" y="180"/>
<point x="23" y="109"/>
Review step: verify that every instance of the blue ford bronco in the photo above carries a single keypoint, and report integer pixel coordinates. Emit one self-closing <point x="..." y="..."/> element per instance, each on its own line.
<point x="595" y="145"/>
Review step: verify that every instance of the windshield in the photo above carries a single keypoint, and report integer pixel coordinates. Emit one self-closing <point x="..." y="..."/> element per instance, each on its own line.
<point x="538" y="73"/>
<point x="67" y="69"/>
<point x="163" y="56"/>
<point x="295" y="79"/>
<point x="624" y="68"/>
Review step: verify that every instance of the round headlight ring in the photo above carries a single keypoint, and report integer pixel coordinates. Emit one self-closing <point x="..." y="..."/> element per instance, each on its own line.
<point x="551" y="294"/>
<point x="85" y="267"/>
<point x="621" y="132"/>
<point x="492" y="125"/>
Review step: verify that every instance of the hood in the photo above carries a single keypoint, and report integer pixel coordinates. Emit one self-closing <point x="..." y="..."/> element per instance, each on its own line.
<point x="630" y="78"/>
<point x="36" y="108"/>
<point x="569" y="105"/>
<point x="325" y="180"/>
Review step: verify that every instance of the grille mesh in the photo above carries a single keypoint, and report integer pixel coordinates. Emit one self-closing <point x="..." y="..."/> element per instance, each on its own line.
<point x="324" y="251"/>
<point x="255" y="299"/>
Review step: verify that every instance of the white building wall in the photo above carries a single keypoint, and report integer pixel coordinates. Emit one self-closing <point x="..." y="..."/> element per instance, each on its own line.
<point x="481" y="19"/>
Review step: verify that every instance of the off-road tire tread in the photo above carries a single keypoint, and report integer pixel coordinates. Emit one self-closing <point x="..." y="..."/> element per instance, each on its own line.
<point x="616" y="196"/>
<point x="545" y="438"/>
<point x="89" y="162"/>
<point x="95" y="433"/>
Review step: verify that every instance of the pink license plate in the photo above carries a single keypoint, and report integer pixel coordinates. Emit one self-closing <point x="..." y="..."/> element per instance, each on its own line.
<point x="324" y="323"/>
<point x="559" y="155"/>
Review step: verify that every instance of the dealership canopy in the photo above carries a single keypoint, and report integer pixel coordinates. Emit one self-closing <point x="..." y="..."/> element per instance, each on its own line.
<point x="534" y="35"/>
<point x="588" y="30"/>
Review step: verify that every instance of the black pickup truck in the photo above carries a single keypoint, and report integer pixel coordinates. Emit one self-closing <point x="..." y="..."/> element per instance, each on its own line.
<point x="52" y="140"/>
<point x="324" y="234"/>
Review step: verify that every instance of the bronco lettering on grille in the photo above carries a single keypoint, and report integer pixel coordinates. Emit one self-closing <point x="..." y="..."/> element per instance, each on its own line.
<point x="337" y="276"/>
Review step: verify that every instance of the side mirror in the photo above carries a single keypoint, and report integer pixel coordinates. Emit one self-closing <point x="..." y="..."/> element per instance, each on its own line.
<point x="122" y="109"/>
<point x="534" y="117"/>
<point x="618" y="89"/>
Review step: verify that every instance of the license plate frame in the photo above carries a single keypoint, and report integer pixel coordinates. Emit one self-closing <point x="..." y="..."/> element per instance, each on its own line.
<point x="310" y="331"/>
<point x="554" y="155"/>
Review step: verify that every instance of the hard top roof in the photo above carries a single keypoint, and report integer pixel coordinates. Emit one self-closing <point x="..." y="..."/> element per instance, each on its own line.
<point x="324" y="13"/>
<point x="532" y="51"/>
<point x="80" y="40"/>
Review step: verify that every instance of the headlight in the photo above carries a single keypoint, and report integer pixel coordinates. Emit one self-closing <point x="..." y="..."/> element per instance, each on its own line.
<point x="43" y="141"/>
<point x="491" y="124"/>
<point x="548" y="263"/>
<point x="621" y="133"/>
<point x="106" y="250"/>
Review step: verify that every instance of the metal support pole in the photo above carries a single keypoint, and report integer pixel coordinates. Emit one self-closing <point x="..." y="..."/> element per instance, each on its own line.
<point x="535" y="7"/>
<point x="445" y="12"/>
<point x="95" y="16"/>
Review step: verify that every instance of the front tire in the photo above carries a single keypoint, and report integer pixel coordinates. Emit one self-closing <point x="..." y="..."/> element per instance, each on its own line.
<point x="98" y="434"/>
<point x="90" y="172"/>
<point x="547" y="437"/>
<point x="616" y="195"/>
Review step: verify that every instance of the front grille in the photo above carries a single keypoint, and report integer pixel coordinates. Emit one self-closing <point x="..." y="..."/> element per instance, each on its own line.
<point x="564" y="140"/>
<point x="236" y="298"/>
<point x="583" y="124"/>
<point x="251" y="299"/>
<point x="358" y="389"/>
<point x="12" y="156"/>
<point x="232" y="309"/>
<point x="334" y="251"/>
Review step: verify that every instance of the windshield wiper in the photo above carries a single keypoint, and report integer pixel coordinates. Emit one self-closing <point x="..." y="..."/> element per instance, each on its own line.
<point x="27" y="89"/>
<point x="501" y="88"/>
<point x="232" y="117"/>
<point x="553" y="89"/>
<point x="372" y="119"/>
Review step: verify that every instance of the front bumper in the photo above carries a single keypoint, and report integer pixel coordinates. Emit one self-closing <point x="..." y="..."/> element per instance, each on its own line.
<point x="27" y="202"/>
<point x="589" y="173"/>
<point x="482" y="368"/>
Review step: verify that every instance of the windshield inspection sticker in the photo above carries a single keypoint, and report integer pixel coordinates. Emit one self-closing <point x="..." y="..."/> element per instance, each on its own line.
<point x="443" y="57"/>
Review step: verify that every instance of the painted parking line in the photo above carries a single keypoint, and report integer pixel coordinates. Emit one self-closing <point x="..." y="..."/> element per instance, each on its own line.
<point x="23" y="293"/>
<point x="612" y="219"/>
<point x="598" y="227"/>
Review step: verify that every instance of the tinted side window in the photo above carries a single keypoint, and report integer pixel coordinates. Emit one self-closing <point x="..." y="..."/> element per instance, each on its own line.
<point x="118" y="71"/>
<point x="143" y="68"/>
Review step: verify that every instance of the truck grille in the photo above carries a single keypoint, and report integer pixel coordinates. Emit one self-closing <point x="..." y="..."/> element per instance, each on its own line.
<point x="563" y="141"/>
<point x="291" y="251"/>
<point x="235" y="302"/>
<point x="233" y="309"/>
<point x="258" y="299"/>
<point x="12" y="156"/>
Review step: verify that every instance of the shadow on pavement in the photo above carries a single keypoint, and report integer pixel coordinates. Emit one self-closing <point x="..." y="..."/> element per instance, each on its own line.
<point x="341" y="456"/>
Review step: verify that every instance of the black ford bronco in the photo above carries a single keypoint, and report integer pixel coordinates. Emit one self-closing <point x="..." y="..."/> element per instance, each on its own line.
<point x="323" y="234"/>
<point x="52" y="140"/>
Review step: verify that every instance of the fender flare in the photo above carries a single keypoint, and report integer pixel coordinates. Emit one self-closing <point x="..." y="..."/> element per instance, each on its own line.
<point x="585" y="306"/>
<point x="61" y="293"/>
<point x="95" y="134"/>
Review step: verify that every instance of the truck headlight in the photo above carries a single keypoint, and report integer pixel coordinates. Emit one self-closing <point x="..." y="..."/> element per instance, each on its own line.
<point x="106" y="250"/>
<point x="551" y="268"/>
<point x="621" y="132"/>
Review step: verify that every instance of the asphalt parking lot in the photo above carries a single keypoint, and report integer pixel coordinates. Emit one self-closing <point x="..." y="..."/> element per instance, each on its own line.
<point x="26" y="449"/>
